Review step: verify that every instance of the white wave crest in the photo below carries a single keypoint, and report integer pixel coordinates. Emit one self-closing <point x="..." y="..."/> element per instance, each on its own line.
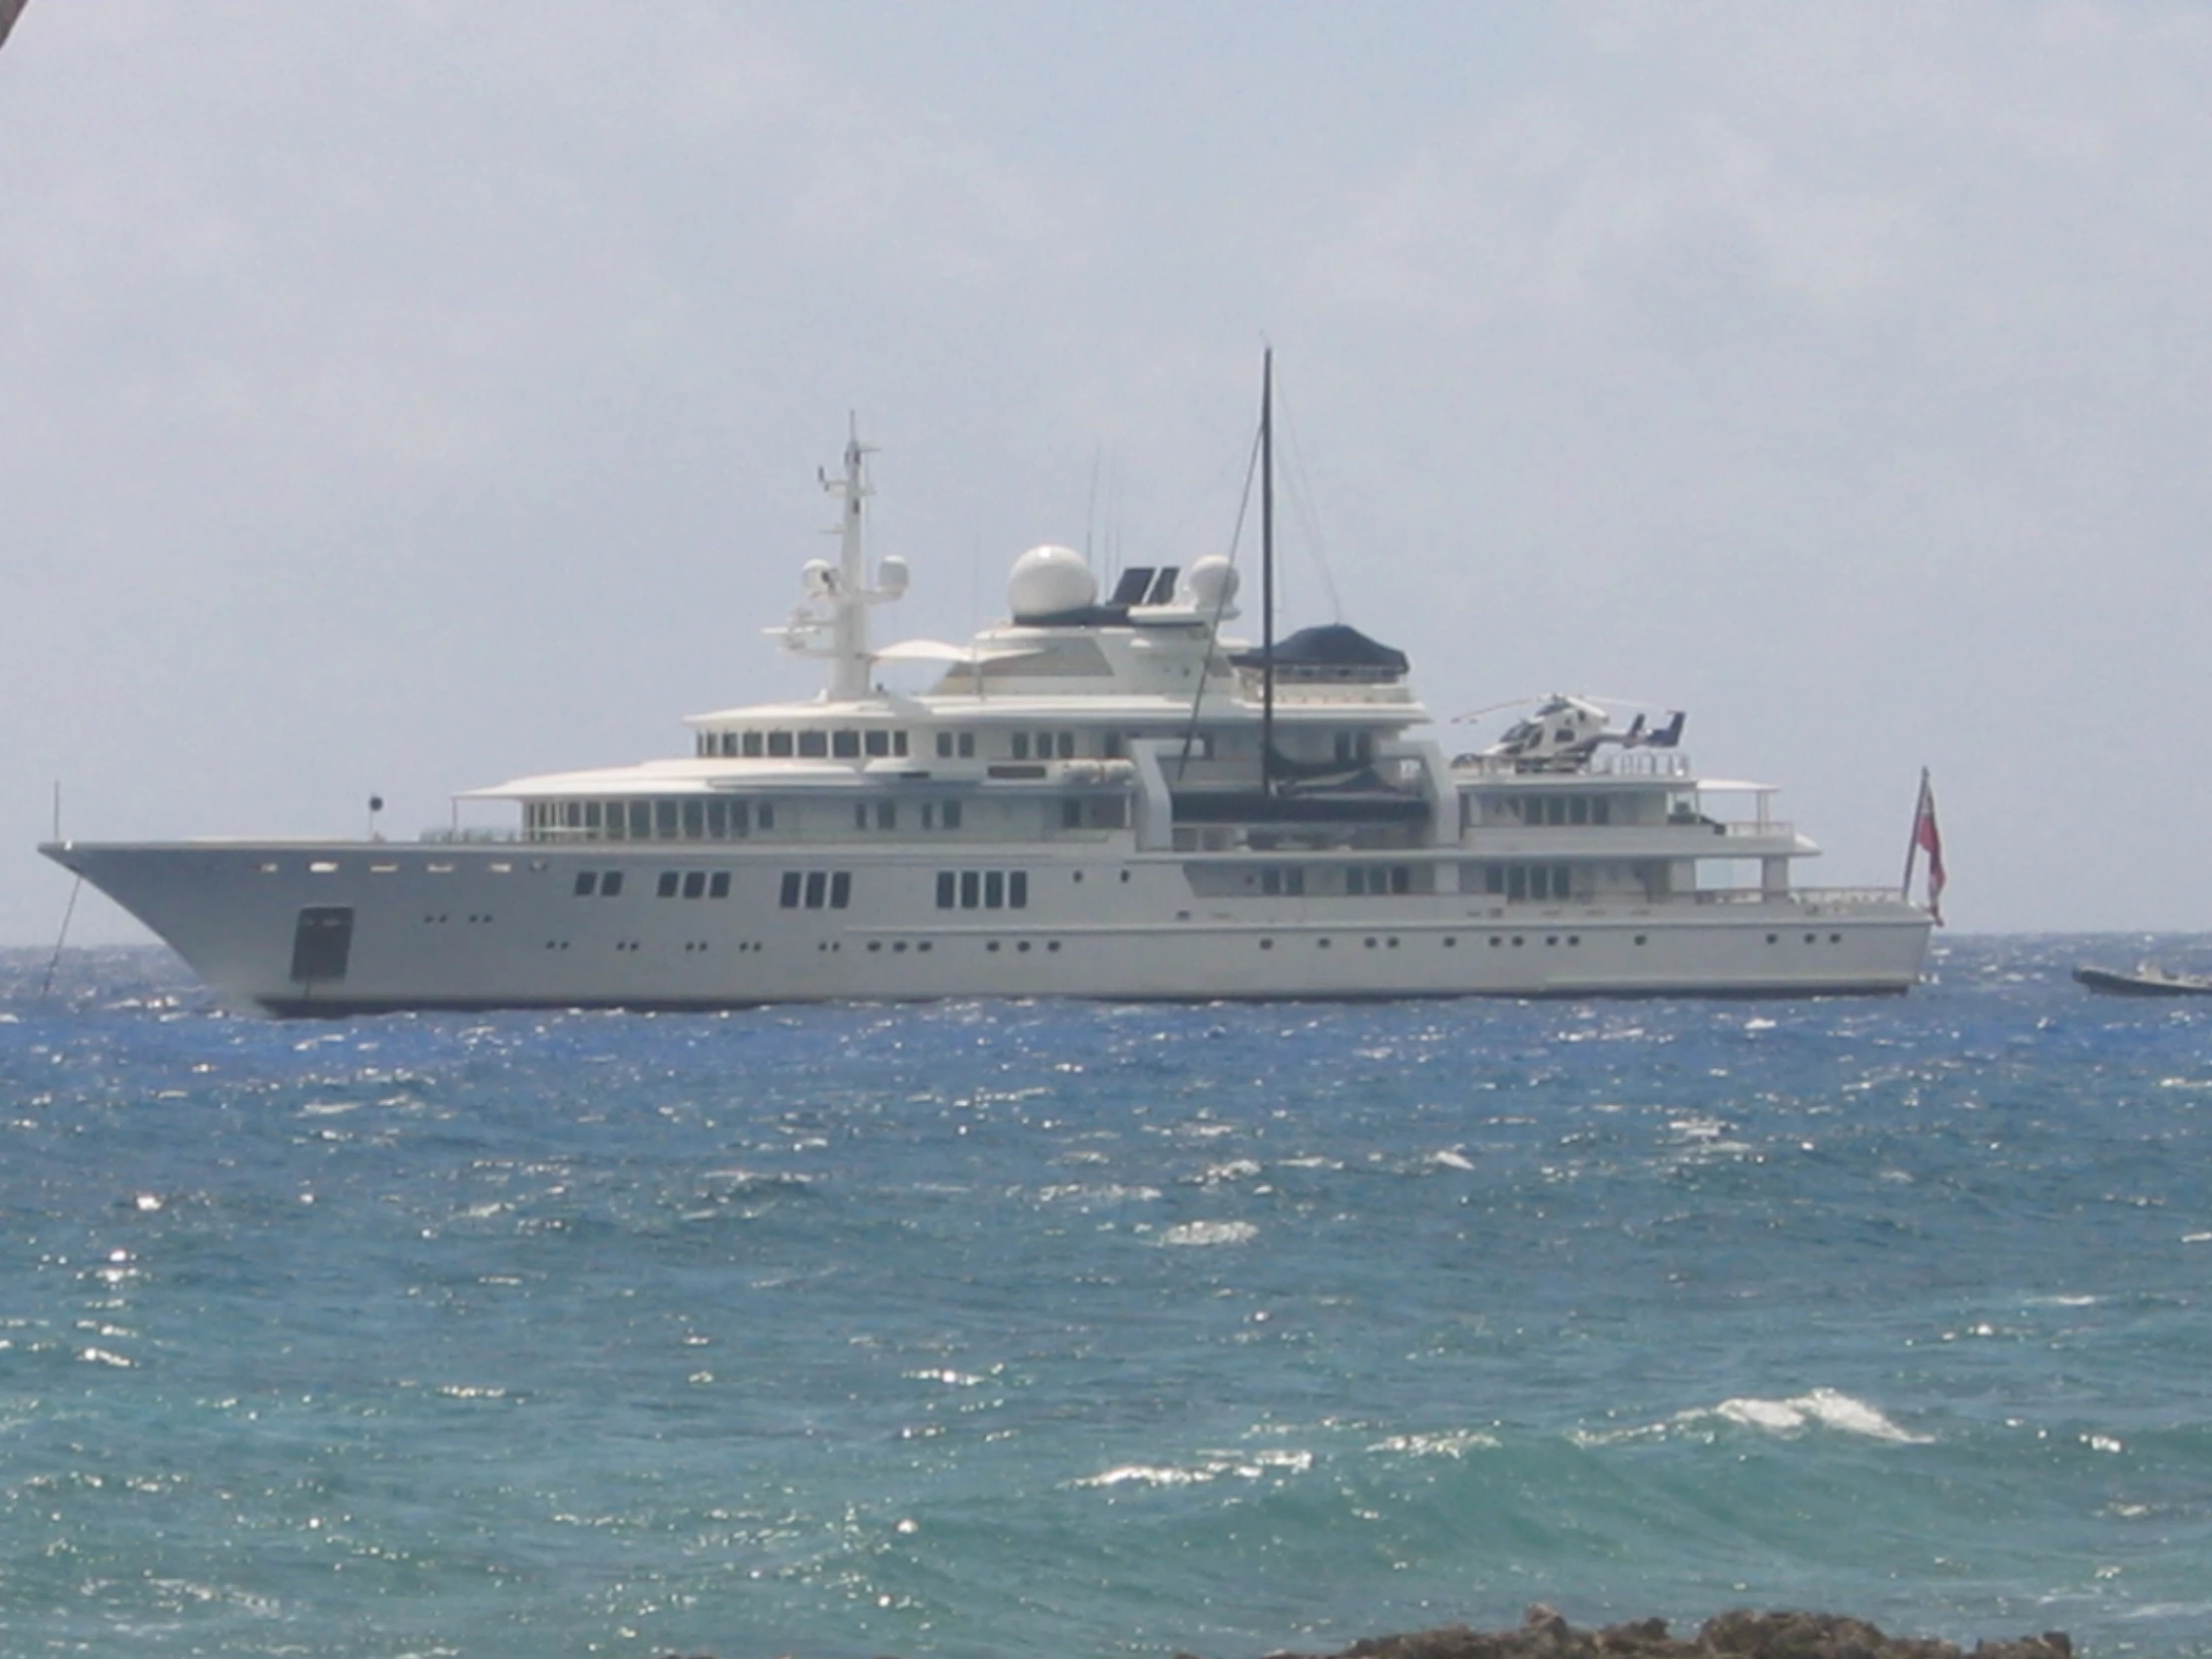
<point x="1457" y="1443"/>
<point x="1210" y="1233"/>
<point x="1822" y="1408"/>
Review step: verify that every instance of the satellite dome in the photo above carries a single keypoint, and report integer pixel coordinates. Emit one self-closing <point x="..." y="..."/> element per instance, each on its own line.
<point x="1211" y="584"/>
<point x="1048" y="581"/>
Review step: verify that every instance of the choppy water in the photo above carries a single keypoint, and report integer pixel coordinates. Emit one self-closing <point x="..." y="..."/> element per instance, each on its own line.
<point x="994" y="1329"/>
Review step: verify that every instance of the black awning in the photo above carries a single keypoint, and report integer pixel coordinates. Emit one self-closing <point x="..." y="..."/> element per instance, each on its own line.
<point x="1329" y="645"/>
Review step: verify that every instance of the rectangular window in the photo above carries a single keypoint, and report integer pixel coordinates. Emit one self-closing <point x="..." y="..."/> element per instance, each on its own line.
<point x="972" y="889"/>
<point x="664" y="820"/>
<point x="1562" y="885"/>
<point x="846" y="745"/>
<point x="779" y="744"/>
<point x="738" y="817"/>
<point x="817" y="888"/>
<point x="886" y="814"/>
<point x="1071" y="813"/>
<point x="1356" y="880"/>
<point x="879" y="743"/>
<point x="1067" y="746"/>
<point x="860" y="815"/>
<point x="994" y="890"/>
<point x="1020" y="742"/>
<point x="1017" y="890"/>
<point x="899" y="743"/>
<point x="966" y="742"/>
<point x="610" y="885"/>
<point x="948" y="897"/>
<point x="764" y="817"/>
<point x="719" y="886"/>
<point x="695" y="819"/>
<point x="1601" y="810"/>
<point x="587" y="882"/>
<point x="841" y="889"/>
<point x="813" y="745"/>
<point x="754" y="747"/>
<point x="789" y="897"/>
<point x="1401" y="878"/>
<point x="945" y="746"/>
<point x="952" y="814"/>
<point x="591" y="817"/>
<point x="667" y="887"/>
<point x="718" y="821"/>
<point x="1516" y="881"/>
<point x="694" y="884"/>
<point x="1578" y="809"/>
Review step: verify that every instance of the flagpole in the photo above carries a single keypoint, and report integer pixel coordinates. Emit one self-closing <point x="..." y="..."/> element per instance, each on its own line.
<point x="1912" y="838"/>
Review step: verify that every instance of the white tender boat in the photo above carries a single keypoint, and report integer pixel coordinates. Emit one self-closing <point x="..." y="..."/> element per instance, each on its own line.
<point x="1097" y="797"/>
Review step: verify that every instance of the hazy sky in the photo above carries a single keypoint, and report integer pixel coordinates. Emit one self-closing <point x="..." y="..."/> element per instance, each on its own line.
<point x="404" y="398"/>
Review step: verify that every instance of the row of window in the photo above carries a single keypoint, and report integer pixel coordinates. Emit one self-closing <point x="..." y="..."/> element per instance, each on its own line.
<point x="816" y="888"/>
<point x="883" y="814"/>
<point x="878" y="743"/>
<point x="982" y="890"/>
<point x="701" y="819"/>
<point x="843" y="743"/>
<point x="1529" y="882"/>
<point x="1562" y="809"/>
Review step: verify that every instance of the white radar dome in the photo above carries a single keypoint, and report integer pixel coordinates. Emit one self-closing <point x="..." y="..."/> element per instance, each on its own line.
<point x="1049" y="580"/>
<point x="891" y="576"/>
<point x="1211" y="583"/>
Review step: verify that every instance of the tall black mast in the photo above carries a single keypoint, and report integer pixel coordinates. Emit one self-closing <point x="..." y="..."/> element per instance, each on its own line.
<point x="1267" y="571"/>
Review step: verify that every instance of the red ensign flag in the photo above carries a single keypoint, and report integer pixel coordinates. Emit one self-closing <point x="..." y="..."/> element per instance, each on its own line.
<point x="1928" y="838"/>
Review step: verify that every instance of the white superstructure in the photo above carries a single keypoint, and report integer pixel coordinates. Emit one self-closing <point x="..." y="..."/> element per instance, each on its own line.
<point x="1082" y="804"/>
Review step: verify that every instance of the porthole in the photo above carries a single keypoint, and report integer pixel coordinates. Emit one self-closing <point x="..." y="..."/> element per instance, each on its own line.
<point x="1643" y="938"/>
<point x="1835" y="938"/>
<point x="1773" y="939"/>
<point x="1812" y="938"/>
<point x="1051" y="945"/>
<point x="993" y="945"/>
<point x="1518" y="941"/>
<point x="1267" y="944"/>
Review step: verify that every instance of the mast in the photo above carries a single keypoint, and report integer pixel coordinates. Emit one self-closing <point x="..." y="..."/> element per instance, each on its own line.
<point x="1267" y="571"/>
<point x="848" y="607"/>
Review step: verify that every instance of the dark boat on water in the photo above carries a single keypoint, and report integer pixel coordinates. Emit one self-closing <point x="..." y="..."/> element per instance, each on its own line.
<point x="2145" y="980"/>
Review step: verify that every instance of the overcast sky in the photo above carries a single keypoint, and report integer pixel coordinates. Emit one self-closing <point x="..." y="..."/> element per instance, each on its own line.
<point x="404" y="398"/>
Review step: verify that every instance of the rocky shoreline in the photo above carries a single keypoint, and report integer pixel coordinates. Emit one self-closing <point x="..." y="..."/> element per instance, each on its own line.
<point x="1738" y="1634"/>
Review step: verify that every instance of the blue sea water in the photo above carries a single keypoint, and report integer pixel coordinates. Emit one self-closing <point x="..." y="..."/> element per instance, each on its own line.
<point x="1011" y="1329"/>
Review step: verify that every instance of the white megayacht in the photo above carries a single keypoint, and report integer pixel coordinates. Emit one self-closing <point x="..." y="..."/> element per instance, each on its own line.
<point x="1096" y="799"/>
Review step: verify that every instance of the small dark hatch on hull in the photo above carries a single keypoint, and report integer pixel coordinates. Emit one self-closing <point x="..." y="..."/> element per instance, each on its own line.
<point x="322" y="944"/>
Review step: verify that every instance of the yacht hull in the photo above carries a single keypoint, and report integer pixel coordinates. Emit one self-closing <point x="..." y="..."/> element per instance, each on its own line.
<point x="338" y="928"/>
